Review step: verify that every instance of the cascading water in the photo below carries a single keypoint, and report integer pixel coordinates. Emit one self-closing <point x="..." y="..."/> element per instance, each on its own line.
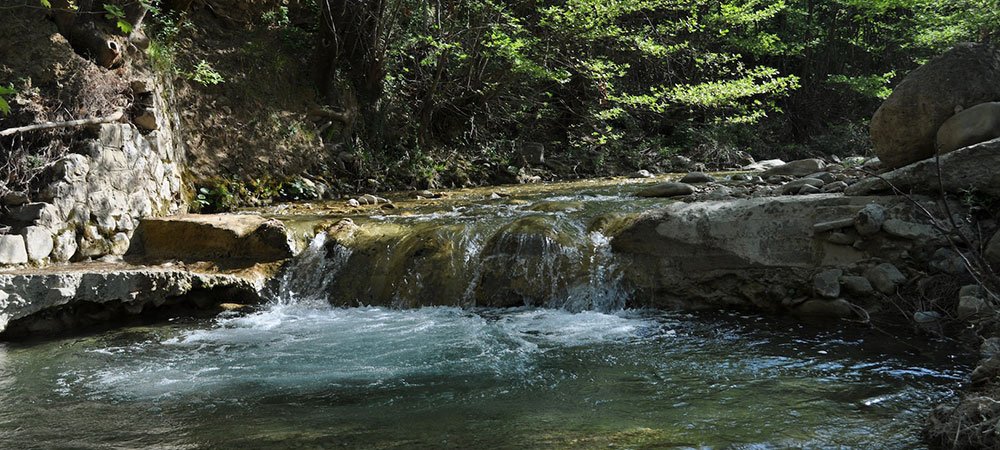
<point x="569" y="367"/>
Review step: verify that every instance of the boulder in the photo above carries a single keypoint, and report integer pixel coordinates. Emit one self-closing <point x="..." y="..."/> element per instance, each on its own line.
<point x="856" y="285"/>
<point x="670" y="189"/>
<point x="219" y="237"/>
<point x="971" y="166"/>
<point x="979" y="123"/>
<point x="836" y="309"/>
<point x="64" y="247"/>
<point x="904" y="127"/>
<point x="793" y="187"/>
<point x="799" y="168"/>
<point x="12" y="250"/>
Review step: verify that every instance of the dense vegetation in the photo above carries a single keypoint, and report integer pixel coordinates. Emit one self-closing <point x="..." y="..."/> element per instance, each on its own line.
<point x="424" y="93"/>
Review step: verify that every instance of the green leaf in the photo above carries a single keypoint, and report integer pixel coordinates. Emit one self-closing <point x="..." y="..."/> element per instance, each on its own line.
<point x="46" y="3"/>
<point x="4" y="107"/>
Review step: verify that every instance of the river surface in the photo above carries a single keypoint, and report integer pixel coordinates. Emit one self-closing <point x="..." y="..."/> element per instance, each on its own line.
<point x="307" y="375"/>
<point x="581" y="370"/>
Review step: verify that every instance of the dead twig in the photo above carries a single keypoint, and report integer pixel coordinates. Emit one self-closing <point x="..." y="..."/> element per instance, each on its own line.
<point x="116" y="116"/>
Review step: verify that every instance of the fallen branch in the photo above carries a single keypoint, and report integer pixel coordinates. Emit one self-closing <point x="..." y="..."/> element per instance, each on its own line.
<point x="70" y="123"/>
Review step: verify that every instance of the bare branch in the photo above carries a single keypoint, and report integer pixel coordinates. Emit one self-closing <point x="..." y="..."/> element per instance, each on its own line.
<point x="116" y="116"/>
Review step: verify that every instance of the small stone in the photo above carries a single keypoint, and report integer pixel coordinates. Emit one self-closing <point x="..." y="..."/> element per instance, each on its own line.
<point x="119" y="244"/>
<point x="840" y="239"/>
<point x="990" y="348"/>
<point x="353" y="203"/>
<point x="641" y="174"/>
<point x="15" y="198"/>
<point x="970" y="306"/>
<point x="827" y="283"/>
<point x="838" y="308"/>
<point x="926" y="316"/>
<point x="909" y="230"/>
<point x="833" y="225"/>
<point x="885" y="277"/>
<point x="856" y="285"/>
<point x="12" y="250"/>
<point x="65" y="246"/>
<point x="741" y="177"/>
<point x="797" y="168"/>
<point x="947" y="261"/>
<point x="146" y="119"/>
<point x="870" y="219"/>
<point x="836" y="186"/>
<point x="793" y="187"/>
<point x="669" y="189"/>
<point x="141" y="86"/>
<point x="697" y="177"/>
<point x="827" y="177"/>
<point x="808" y="190"/>
<point x="38" y="242"/>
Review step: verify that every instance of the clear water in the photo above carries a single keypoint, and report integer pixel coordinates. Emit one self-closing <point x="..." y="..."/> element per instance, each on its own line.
<point x="306" y="375"/>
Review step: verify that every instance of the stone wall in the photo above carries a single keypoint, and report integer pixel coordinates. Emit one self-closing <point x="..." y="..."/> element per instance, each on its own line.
<point x="98" y="194"/>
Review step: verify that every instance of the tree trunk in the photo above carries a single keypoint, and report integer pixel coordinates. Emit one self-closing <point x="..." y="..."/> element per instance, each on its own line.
<point x="91" y="37"/>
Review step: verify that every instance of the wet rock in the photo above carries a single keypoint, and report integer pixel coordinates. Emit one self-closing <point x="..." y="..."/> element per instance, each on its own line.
<point x="904" y="127"/>
<point x="741" y="177"/>
<point x="556" y="206"/>
<point x="697" y="177"/>
<point x="641" y="174"/>
<point x="669" y="189"/>
<point x="827" y="283"/>
<point x="838" y="308"/>
<point x="12" y="249"/>
<point x="870" y="219"/>
<point x="799" y="168"/>
<point x="855" y="285"/>
<point x="38" y="242"/>
<point x="885" y="277"/>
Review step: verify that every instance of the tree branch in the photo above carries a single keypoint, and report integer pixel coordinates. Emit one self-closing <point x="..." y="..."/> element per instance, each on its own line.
<point x="70" y="123"/>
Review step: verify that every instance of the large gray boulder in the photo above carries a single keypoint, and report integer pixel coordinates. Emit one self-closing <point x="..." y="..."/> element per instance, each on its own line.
<point x="970" y="167"/>
<point x="903" y="129"/>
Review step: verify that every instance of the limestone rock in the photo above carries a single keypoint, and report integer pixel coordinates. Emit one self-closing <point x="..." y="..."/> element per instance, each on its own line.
<point x="697" y="177"/>
<point x="146" y="119"/>
<point x="72" y="167"/>
<point x="903" y="129"/>
<point x="197" y="237"/>
<point x="669" y="189"/>
<point x="12" y="250"/>
<point x="827" y="283"/>
<point x="38" y="242"/>
<point x="65" y="246"/>
<point x="799" y="168"/>
<point x="870" y="219"/>
<point x="885" y="277"/>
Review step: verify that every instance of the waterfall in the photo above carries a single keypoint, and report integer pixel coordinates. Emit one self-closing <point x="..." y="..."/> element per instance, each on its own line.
<point x="307" y="277"/>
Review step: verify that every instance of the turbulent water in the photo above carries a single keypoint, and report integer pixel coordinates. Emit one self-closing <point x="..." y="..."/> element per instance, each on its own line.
<point x="299" y="373"/>
<point x="305" y="375"/>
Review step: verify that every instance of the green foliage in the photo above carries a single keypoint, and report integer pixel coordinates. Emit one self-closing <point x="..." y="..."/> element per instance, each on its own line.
<point x="116" y="14"/>
<point x="5" y="91"/>
<point x="205" y="75"/>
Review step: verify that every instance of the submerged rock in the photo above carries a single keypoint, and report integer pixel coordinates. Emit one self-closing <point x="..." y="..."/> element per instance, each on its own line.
<point x="670" y="189"/>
